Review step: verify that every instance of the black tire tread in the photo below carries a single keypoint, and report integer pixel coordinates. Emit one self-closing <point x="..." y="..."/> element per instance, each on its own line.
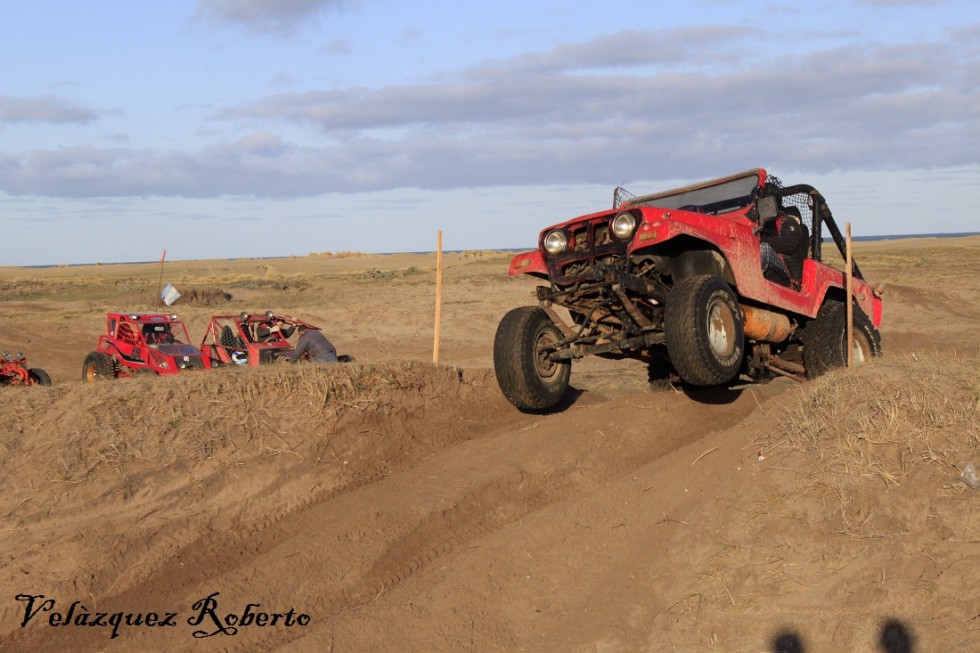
<point x="514" y="364"/>
<point x="689" y="352"/>
<point x="105" y="368"/>
<point x="39" y="376"/>
<point x="823" y="337"/>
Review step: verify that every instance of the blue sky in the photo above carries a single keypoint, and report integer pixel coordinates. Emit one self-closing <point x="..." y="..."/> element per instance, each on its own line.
<point x="230" y="128"/>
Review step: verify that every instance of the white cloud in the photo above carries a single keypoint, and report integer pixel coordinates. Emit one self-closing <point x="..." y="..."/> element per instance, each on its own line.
<point x="45" y="109"/>
<point x="267" y="16"/>
<point x="593" y="112"/>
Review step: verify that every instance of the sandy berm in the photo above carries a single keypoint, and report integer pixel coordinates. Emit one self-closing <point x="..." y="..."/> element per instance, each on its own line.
<point x="404" y="506"/>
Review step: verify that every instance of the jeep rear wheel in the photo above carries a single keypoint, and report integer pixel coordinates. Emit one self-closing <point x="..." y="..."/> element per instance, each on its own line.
<point x="98" y="367"/>
<point x="825" y="339"/>
<point x="703" y="329"/>
<point x="526" y="377"/>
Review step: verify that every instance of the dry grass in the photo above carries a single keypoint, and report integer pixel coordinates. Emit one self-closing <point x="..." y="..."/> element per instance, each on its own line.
<point x="858" y="472"/>
<point x="883" y="420"/>
<point x="233" y="414"/>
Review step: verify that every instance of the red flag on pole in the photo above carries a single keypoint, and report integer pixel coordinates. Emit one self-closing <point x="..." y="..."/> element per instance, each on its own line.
<point x="162" y="258"/>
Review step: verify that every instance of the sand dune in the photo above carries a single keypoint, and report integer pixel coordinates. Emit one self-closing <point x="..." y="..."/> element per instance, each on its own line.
<point x="393" y="504"/>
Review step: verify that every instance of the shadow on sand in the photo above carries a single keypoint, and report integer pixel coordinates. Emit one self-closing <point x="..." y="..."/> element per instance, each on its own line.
<point x="894" y="637"/>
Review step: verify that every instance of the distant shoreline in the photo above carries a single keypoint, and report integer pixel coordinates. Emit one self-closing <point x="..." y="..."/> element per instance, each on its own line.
<point x="961" y="234"/>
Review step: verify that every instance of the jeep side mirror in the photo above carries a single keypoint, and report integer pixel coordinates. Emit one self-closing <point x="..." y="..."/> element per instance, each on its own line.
<point x="767" y="210"/>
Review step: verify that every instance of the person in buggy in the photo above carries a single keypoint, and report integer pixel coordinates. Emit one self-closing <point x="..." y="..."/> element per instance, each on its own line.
<point x="265" y="331"/>
<point x="158" y="334"/>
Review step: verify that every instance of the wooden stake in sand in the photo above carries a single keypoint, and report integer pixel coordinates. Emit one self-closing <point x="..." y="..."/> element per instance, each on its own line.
<point x="438" y="330"/>
<point x="850" y="304"/>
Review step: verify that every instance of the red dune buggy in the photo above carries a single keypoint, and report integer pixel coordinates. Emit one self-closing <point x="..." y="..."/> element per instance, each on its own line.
<point x="142" y="343"/>
<point x="251" y="339"/>
<point x="248" y="339"/>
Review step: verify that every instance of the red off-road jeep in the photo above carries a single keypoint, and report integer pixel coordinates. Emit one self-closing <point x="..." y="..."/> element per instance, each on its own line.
<point x="705" y="282"/>
<point x="14" y="371"/>
<point x="142" y="343"/>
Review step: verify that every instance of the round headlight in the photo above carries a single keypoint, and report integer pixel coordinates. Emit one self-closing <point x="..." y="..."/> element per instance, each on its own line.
<point x="556" y="242"/>
<point x="623" y="226"/>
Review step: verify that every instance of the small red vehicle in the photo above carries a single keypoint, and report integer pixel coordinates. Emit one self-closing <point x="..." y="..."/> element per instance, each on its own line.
<point x="14" y="371"/>
<point x="142" y="343"/>
<point x="708" y="282"/>
<point x="249" y="339"/>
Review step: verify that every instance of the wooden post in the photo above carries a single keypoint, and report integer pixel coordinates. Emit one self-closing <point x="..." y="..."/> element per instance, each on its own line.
<point x="850" y="302"/>
<point x="438" y="329"/>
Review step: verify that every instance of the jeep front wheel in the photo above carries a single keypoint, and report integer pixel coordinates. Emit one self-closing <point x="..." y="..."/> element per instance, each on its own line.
<point x="98" y="367"/>
<point x="703" y="329"/>
<point x="825" y="339"/>
<point x="526" y="376"/>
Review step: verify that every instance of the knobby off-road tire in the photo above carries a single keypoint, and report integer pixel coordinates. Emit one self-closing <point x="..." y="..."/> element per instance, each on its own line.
<point x="39" y="376"/>
<point x="703" y="329"/>
<point x="526" y="377"/>
<point x="98" y="367"/>
<point x="825" y="339"/>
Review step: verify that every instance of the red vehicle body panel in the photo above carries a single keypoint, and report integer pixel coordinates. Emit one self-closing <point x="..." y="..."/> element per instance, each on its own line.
<point x="14" y="370"/>
<point x="732" y="234"/>
<point x="135" y="342"/>
<point x="245" y="342"/>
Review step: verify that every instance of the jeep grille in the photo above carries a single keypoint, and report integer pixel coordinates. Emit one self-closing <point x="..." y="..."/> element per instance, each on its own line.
<point x="591" y="242"/>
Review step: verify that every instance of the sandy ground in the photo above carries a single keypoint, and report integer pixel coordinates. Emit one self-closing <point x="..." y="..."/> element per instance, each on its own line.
<point x="397" y="505"/>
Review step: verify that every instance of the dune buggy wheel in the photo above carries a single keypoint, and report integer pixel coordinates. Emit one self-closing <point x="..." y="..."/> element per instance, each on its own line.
<point x="703" y="329"/>
<point x="98" y="367"/>
<point x="39" y="376"/>
<point x="825" y="339"/>
<point x="526" y="377"/>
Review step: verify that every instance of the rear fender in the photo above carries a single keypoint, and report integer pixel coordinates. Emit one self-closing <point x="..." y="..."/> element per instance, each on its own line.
<point x="864" y="300"/>
<point x="822" y="283"/>
<point x="876" y="311"/>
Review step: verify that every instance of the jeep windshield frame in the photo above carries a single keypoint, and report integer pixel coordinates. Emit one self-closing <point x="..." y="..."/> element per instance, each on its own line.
<point x="723" y="195"/>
